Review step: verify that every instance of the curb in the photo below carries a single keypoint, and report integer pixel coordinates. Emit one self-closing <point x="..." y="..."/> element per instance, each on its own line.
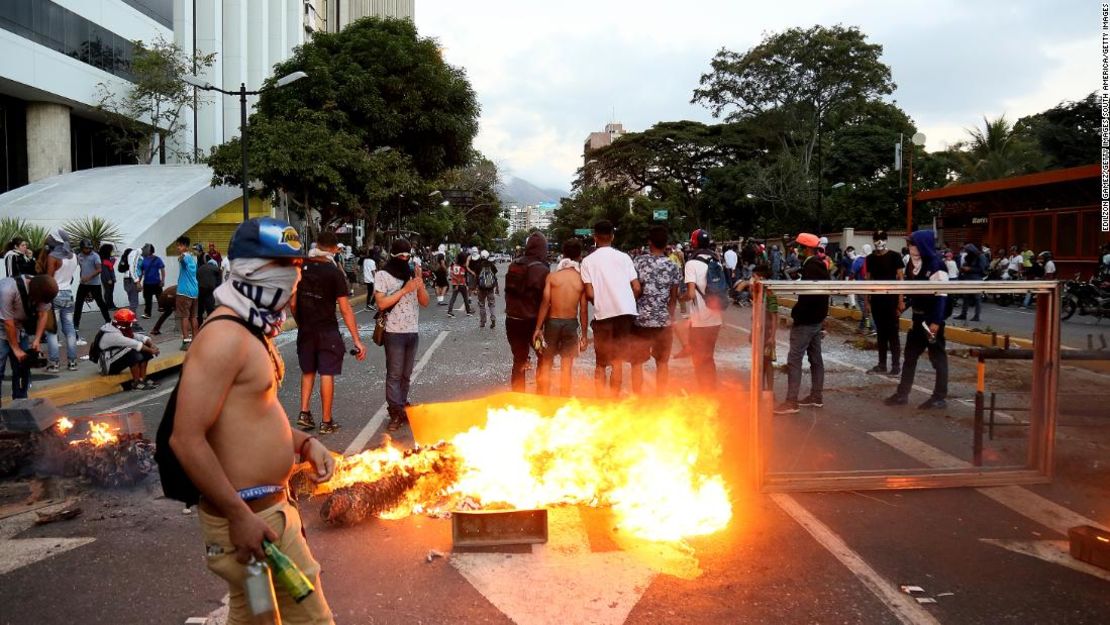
<point x="961" y="335"/>
<point x="98" y="386"/>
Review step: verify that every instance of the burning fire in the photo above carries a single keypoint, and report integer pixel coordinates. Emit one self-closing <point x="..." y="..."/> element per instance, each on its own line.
<point x="654" y="464"/>
<point x="100" y="433"/>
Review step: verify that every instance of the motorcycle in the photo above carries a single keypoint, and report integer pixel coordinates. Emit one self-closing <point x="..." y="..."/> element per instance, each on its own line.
<point x="1088" y="297"/>
<point x="1002" y="299"/>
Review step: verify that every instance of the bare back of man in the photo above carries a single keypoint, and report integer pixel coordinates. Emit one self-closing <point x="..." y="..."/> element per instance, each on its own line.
<point x="564" y="307"/>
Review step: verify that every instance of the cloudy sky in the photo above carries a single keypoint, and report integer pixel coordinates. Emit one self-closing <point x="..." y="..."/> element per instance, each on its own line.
<point x="547" y="73"/>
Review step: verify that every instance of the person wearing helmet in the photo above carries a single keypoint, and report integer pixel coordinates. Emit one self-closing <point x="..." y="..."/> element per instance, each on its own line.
<point x="231" y="434"/>
<point x="89" y="268"/>
<point x="118" y="348"/>
<point x="806" y="331"/>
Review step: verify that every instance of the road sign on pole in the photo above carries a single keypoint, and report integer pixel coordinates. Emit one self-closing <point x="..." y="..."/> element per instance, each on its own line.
<point x="660" y="214"/>
<point x="583" y="231"/>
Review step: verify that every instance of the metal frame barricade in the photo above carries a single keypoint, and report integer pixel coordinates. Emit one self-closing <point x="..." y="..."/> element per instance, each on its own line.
<point x="1042" y="410"/>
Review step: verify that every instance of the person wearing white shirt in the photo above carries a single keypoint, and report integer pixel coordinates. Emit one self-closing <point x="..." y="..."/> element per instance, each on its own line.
<point x="612" y="285"/>
<point x="705" y="322"/>
<point x="369" y="268"/>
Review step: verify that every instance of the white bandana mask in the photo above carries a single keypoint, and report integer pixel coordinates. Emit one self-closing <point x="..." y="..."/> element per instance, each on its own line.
<point x="258" y="290"/>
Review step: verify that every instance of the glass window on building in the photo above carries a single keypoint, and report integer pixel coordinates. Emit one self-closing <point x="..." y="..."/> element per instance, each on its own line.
<point x="55" y="27"/>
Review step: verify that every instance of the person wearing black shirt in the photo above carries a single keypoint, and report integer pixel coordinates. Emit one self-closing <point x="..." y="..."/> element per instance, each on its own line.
<point x="886" y="264"/>
<point x="805" y="334"/>
<point x="320" y="347"/>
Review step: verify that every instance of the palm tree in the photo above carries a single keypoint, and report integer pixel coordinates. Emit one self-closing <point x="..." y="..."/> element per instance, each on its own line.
<point x="997" y="151"/>
<point x="95" y="229"/>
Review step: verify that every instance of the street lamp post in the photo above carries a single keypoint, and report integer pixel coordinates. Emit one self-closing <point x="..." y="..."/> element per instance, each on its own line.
<point x="242" y="93"/>
<point x="918" y="140"/>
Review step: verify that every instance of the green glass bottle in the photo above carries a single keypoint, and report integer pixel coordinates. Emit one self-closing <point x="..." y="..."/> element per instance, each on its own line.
<point x="287" y="573"/>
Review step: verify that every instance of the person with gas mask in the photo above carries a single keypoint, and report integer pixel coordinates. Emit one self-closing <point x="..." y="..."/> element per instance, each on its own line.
<point x="230" y="433"/>
<point x="886" y="264"/>
<point x="927" y="328"/>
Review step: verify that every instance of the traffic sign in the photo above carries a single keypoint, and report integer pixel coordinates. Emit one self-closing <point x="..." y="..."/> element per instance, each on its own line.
<point x="660" y="215"/>
<point x="583" y="231"/>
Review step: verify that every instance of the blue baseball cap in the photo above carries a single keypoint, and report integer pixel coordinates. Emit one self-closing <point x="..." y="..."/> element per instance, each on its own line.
<point x="265" y="237"/>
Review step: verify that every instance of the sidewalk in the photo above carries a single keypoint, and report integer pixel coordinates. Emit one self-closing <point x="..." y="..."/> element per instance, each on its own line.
<point x="68" y="387"/>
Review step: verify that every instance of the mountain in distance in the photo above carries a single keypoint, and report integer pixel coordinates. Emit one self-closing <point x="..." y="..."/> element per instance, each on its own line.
<point x="520" y="191"/>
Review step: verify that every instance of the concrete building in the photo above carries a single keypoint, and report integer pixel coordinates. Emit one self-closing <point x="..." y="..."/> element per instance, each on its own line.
<point x="55" y="53"/>
<point x="529" y="217"/>
<point x="340" y="13"/>
<point x="249" y="37"/>
<point x="597" y="140"/>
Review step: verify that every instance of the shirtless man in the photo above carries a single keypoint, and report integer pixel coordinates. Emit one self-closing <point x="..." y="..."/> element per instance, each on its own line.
<point x="232" y="435"/>
<point x="563" y="308"/>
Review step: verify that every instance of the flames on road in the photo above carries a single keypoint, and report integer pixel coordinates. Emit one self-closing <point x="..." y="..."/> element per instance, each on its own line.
<point x="100" y="433"/>
<point x="653" y="462"/>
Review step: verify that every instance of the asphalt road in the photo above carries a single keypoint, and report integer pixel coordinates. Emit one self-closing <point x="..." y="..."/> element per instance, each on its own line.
<point x="807" y="558"/>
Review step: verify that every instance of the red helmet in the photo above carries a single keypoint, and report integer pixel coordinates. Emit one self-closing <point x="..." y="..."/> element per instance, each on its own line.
<point x="699" y="239"/>
<point x="124" y="315"/>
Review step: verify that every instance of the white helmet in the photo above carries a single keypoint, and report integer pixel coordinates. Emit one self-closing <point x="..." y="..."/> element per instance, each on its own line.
<point x="484" y="254"/>
<point x="824" y="241"/>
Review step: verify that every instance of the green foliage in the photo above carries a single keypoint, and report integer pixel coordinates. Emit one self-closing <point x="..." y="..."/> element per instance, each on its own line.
<point x="11" y="227"/>
<point x="154" y="102"/>
<point x="96" y="229"/>
<point x="795" y="90"/>
<point x="997" y="151"/>
<point x="1067" y="134"/>
<point x="379" y="116"/>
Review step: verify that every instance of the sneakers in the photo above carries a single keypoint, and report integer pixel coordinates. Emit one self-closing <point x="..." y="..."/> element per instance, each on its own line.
<point x="395" y="422"/>
<point x="450" y="314"/>
<point x="810" y="400"/>
<point x="877" y="369"/>
<point x="470" y="313"/>
<point x="81" y="341"/>
<point x="146" y="316"/>
<point x="895" y="372"/>
<point x="156" y="333"/>
<point x="305" y="421"/>
<point x="327" y="427"/>
<point x="150" y="383"/>
<point x="933" y="403"/>
<point x="492" y="323"/>
<point x="139" y="385"/>
<point x="185" y="344"/>
<point x="896" y="400"/>
<point x="53" y="368"/>
<point x="787" y="407"/>
<point x="71" y="366"/>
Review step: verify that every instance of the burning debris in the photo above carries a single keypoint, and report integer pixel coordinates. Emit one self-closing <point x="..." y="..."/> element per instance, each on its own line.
<point x="387" y="482"/>
<point x="654" y="463"/>
<point x="108" y="450"/>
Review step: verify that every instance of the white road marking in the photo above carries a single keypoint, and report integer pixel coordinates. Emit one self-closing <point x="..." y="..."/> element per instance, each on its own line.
<point x="1054" y="551"/>
<point x="376" y="421"/>
<point x="18" y="553"/>
<point x="141" y="400"/>
<point x="560" y="582"/>
<point x="1017" y="498"/>
<point x="904" y="607"/>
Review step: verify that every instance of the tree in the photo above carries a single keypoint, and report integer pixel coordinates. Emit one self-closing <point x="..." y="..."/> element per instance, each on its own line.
<point x="997" y="151"/>
<point x="798" y="85"/>
<point x="379" y="117"/>
<point x="154" y="102"/>
<point x="1067" y="134"/>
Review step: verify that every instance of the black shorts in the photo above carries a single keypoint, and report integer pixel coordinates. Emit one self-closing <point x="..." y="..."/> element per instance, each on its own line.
<point x="125" y="362"/>
<point x="611" y="339"/>
<point x="650" y="343"/>
<point x="561" y="336"/>
<point x="320" y="351"/>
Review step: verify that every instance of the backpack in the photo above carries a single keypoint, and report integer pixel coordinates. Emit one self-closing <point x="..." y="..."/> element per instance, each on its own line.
<point x="94" y="347"/>
<point x="176" y="483"/>
<point x="458" y="274"/>
<point x="486" y="278"/>
<point x="124" y="266"/>
<point x="516" y="278"/>
<point x="716" y="284"/>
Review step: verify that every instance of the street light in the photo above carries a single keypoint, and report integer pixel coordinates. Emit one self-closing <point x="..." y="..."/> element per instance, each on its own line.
<point x="242" y="93"/>
<point x="918" y="140"/>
